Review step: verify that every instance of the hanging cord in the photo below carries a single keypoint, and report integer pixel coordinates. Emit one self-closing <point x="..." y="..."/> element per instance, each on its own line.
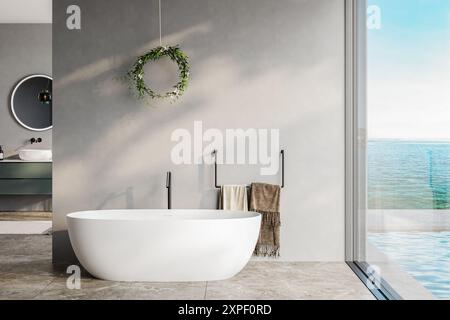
<point x="160" y="38"/>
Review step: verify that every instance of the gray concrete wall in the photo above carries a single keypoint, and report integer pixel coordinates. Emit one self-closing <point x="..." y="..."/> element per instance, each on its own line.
<point x="254" y="64"/>
<point x="26" y="11"/>
<point x="25" y="49"/>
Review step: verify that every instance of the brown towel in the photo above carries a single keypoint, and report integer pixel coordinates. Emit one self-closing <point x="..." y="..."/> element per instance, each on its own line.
<point x="265" y="199"/>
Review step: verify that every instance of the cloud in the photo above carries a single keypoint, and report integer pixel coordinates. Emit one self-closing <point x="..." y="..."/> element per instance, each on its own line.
<point x="409" y="107"/>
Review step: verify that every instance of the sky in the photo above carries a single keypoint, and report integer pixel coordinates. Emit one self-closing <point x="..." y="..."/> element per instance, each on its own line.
<point x="408" y="87"/>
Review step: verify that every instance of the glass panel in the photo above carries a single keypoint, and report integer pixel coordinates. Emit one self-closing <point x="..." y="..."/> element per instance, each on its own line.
<point x="406" y="211"/>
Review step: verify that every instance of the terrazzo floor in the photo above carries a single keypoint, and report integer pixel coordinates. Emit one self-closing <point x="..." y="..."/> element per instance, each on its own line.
<point x="26" y="272"/>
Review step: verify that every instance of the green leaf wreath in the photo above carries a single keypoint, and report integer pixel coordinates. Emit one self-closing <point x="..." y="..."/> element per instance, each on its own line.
<point x="136" y="74"/>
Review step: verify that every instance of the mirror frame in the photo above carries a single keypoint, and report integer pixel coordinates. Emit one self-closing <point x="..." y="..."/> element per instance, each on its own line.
<point x="12" y="101"/>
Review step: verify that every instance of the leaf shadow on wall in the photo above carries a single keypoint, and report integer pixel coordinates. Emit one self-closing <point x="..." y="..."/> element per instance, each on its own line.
<point x="248" y="68"/>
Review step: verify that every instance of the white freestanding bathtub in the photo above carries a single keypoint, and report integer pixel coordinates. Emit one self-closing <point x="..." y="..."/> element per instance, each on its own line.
<point x="163" y="245"/>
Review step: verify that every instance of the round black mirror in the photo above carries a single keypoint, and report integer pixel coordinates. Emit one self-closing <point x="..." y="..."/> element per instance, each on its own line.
<point x="31" y="102"/>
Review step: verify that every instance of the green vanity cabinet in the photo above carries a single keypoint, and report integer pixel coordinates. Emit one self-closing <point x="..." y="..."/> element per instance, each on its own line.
<point x="25" y="178"/>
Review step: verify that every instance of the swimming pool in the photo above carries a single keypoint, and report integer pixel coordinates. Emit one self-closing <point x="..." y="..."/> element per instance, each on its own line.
<point x="424" y="255"/>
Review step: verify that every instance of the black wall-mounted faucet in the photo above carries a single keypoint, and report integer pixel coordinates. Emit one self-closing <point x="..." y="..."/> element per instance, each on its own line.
<point x="169" y="189"/>
<point x="34" y="140"/>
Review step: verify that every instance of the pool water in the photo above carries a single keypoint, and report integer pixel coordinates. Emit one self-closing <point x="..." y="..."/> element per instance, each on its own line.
<point x="424" y="255"/>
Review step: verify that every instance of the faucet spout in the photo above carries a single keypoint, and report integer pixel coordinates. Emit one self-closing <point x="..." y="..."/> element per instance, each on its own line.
<point x="169" y="189"/>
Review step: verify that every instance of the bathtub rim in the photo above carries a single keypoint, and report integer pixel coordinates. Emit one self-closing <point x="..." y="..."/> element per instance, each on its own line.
<point x="83" y="215"/>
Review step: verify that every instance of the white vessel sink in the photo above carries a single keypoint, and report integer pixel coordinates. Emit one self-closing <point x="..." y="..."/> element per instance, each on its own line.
<point x="35" y="154"/>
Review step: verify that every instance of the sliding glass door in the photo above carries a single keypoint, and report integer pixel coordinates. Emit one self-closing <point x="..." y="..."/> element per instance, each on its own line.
<point x="400" y="145"/>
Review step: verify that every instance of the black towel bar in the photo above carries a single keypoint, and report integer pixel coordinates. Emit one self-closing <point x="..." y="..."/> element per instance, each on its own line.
<point x="215" y="169"/>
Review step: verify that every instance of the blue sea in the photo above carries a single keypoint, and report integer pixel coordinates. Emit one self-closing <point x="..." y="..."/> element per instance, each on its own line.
<point x="413" y="175"/>
<point x="408" y="175"/>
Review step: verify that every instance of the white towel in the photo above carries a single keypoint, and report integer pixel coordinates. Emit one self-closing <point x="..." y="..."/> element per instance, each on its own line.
<point x="233" y="198"/>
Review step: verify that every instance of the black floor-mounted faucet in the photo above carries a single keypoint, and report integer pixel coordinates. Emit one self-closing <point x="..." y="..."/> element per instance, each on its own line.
<point x="169" y="189"/>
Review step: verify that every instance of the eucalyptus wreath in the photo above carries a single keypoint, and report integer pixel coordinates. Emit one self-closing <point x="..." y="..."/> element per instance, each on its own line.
<point x="136" y="74"/>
